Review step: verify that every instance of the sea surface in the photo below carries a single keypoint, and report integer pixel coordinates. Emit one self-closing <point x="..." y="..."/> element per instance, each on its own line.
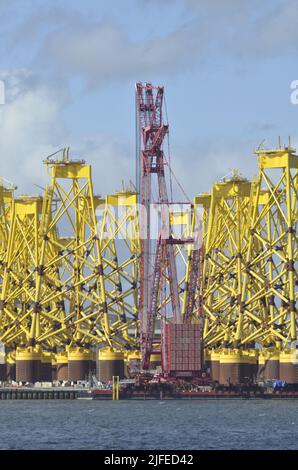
<point x="197" y="424"/>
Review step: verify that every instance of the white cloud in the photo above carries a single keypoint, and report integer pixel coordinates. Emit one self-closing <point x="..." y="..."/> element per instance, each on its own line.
<point x="99" y="52"/>
<point x="199" y="166"/>
<point x="277" y="33"/>
<point x="112" y="161"/>
<point x="66" y="41"/>
<point x="32" y="128"/>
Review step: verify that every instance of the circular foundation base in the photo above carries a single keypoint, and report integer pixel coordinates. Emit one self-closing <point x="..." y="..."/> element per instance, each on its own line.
<point x="2" y="372"/>
<point x="92" y="367"/>
<point x="214" y="366"/>
<point x="111" y="363"/>
<point x="236" y="367"/>
<point x="10" y="359"/>
<point x="269" y="366"/>
<point x="10" y="371"/>
<point x="207" y="362"/>
<point x="78" y="370"/>
<point x="62" y="371"/>
<point x="288" y="366"/>
<point x="288" y="372"/>
<point x="28" y="366"/>
<point x="46" y="372"/>
<point x="79" y="364"/>
<point x="61" y="366"/>
<point x="234" y="373"/>
<point x="54" y="371"/>
<point x="46" y="368"/>
<point x="28" y="371"/>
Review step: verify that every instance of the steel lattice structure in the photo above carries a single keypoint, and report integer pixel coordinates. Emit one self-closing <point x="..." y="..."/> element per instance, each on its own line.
<point x="248" y="290"/>
<point x="78" y="270"/>
<point x="225" y="246"/>
<point x="63" y="285"/>
<point x="270" y="273"/>
<point x="6" y="201"/>
<point x="118" y="231"/>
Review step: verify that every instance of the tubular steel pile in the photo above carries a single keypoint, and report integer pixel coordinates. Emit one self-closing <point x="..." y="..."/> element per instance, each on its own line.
<point x="82" y="282"/>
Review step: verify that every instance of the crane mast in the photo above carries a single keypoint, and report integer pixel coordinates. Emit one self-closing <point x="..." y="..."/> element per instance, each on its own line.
<point x="157" y="259"/>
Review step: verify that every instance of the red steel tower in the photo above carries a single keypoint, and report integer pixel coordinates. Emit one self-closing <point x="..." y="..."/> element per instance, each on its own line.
<point x="157" y="261"/>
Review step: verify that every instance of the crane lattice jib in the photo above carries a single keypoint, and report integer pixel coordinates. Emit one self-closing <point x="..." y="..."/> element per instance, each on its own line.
<point x="149" y="101"/>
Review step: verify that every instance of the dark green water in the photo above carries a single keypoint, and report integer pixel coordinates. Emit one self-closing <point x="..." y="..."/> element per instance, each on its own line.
<point x="198" y="424"/>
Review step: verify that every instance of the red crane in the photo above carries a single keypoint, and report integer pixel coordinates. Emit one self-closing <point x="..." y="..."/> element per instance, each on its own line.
<point x="157" y="259"/>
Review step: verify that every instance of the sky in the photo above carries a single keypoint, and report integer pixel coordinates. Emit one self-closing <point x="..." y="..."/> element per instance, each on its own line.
<point x="69" y="69"/>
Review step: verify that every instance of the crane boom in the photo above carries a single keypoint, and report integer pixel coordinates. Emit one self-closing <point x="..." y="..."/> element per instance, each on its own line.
<point x="159" y="258"/>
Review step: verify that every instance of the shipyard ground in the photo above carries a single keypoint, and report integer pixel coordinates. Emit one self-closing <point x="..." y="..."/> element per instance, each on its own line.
<point x="155" y="392"/>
